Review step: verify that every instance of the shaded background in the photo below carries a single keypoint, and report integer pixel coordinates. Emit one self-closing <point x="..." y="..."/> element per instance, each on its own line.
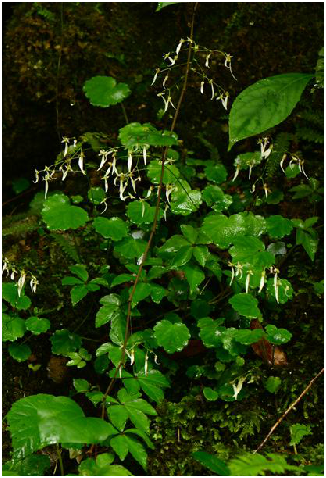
<point x="51" y="49"/>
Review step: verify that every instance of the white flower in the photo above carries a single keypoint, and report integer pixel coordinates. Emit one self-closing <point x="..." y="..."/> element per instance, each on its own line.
<point x="65" y="140"/>
<point x="37" y="176"/>
<point x="177" y="51"/>
<point x="168" y="191"/>
<point x="144" y="154"/>
<point x="266" y="189"/>
<point x="212" y="87"/>
<point x="202" y="87"/>
<point x="21" y="282"/>
<point x="248" y="281"/>
<point x="81" y="162"/>
<point x="301" y="161"/>
<point x="207" y="60"/>
<point x="236" y="174"/>
<point x="33" y="284"/>
<point x="282" y="161"/>
<point x="264" y="153"/>
<point x="224" y="99"/>
<point x="155" y="76"/>
<point x="146" y="363"/>
<point x="129" y="160"/>
<point x="165" y="211"/>
<point x="227" y="63"/>
<point x="232" y="276"/>
<point x="165" y="79"/>
<point x="237" y="388"/>
<point x="262" y="281"/>
<point x="104" y="159"/>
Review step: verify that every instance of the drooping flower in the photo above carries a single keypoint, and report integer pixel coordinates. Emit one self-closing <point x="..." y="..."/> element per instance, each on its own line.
<point x="65" y="140"/>
<point x="81" y="162"/>
<point x="21" y="282"/>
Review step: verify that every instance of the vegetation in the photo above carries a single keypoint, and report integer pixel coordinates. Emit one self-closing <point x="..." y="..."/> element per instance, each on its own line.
<point x="162" y="292"/>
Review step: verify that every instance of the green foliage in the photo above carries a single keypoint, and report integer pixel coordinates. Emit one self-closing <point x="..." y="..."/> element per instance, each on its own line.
<point x="256" y="465"/>
<point x="175" y="330"/>
<point x="67" y="246"/>
<point x="265" y="104"/>
<point x="104" y="91"/>
<point x="42" y="419"/>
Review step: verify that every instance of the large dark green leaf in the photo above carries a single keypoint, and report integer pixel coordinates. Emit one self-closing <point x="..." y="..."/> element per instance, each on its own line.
<point x="41" y="420"/>
<point x="172" y="337"/>
<point x="265" y="104"/>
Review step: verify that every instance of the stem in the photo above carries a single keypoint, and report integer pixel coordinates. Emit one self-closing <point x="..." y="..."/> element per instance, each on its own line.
<point x="156" y="215"/>
<point x="62" y="471"/>
<point x="124" y="113"/>
<point x="288" y="410"/>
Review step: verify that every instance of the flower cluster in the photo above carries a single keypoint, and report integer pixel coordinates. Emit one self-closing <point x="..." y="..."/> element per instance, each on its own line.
<point x="12" y="271"/>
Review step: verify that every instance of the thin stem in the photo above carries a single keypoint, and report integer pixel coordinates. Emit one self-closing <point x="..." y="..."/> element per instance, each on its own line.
<point x="156" y="217"/>
<point x="288" y="410"/>
<point x="62" y="471"/>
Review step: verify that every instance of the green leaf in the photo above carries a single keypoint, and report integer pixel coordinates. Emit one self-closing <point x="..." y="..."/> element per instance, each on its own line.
<point x="19" y="352"/>
<point x="96" y="195"/>
<point x="284" y="288"/>
<point x="113" y="228"/>
<point x="182" y="256"/>
<point x="265" y="104"/>
<point x="216" y="173"/>
<point x="189" y="232"/>
<point x="310" y="244"/>
<point x="172" y="246"/>
<point x="161" y="5"/>
<point x="224" y="230"/>
<point x="104" y="91"/>
<point x="118" y="415"/>
<point x="255" y="465"/>
<point x="157" y="292"/>
<point x="110" y="309"/>
<point x="33" y="465"/>
<point x="81" y="385"/>
<point x="201" y="254"/>
<point x="299" y="431"/>
<point x="142" y="291"/>
<point x="121" y="279"/>
<point x="194" y="276"/>
<point x="136" y="136"/>
<point x="211" y="331"/>
<point x="69" y="280"/>
<point x="64" y="342"/>
<point x="246" y="305"/>
<point x="209" y="393"/>
<point x="140" y="212"/>
<point x="12" y="328"/>
<point x="172" y="337"/>
<point x="184" y="201"/>
<point x="171" y="173"/>
<point x="41" y="420"/>
<point x="273" y="384"/>
<point x="101" y="466"/>
<point x="134" y="447"/>
<point x="120" y="446"/>
<point x="57" y="213"/>
<point x="216" y="198"/>
<point x="10" y="294"/>
<point x="247" y="336"/>
<point x="278" y="226"/>
<point x="130" y="248"/>
<point x="78" y="293"/>
<point x="277" y="336"/>
<point x="212" y="462"/>
<point x="80" y="271"/>
<point x="152" y="383"/>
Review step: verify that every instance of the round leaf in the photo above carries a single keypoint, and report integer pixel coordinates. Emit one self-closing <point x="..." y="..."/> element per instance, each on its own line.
<point x="278" y="226"/>
<point x="12" y="328"/>
<point x="272" y="384"/>
<point x="64" y="342"/>
<point x="37" y="325"/>
<point x="277" y="336"/>
<point x="19" y="352"/>
<point x="113" y="228"/>
<point x="246" y="305"/>
<point x="104" y="91"/>
<point x="96" y="195"/>
<point x="172" y="337"/>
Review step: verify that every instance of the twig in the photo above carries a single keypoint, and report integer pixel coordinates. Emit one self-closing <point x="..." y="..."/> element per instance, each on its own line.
<point x="156" y="215"/>
<point x="288" y="411"/>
